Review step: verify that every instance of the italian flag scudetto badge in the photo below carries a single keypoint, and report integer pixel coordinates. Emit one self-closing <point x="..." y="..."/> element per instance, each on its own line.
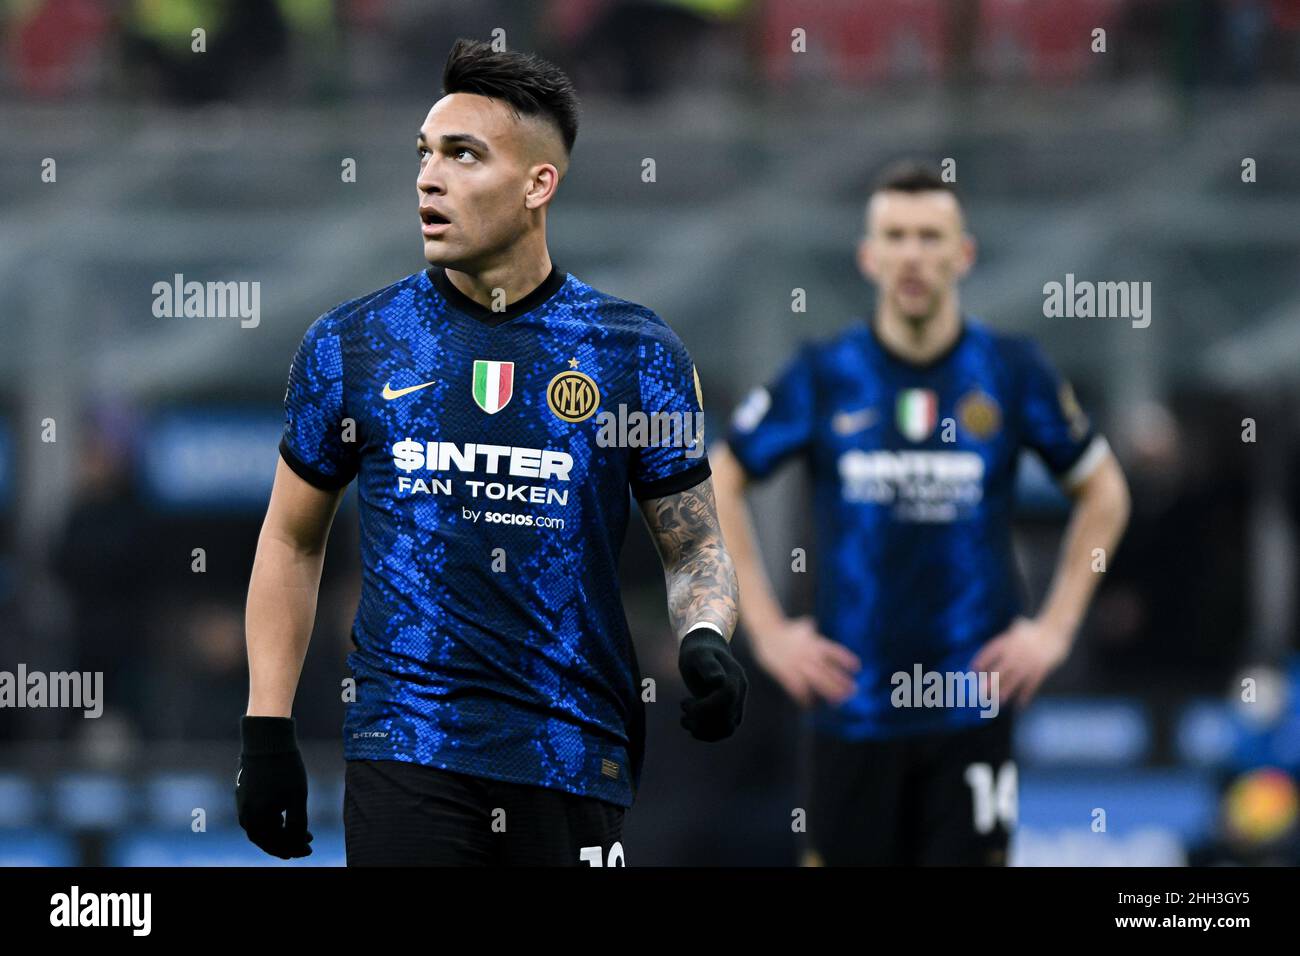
<point x="916" y="413"/>
<point x="494" y="383"/>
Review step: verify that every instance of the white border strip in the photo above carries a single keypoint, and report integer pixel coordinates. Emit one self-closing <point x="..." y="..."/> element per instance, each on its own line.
<point x="710" y="625"/>
<point x="1088" y="462"/>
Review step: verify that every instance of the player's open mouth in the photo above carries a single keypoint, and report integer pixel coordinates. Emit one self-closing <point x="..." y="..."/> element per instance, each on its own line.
<point x="433" y="223"/>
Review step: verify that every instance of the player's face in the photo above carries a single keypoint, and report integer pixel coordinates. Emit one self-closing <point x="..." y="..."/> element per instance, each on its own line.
<point x="915" y="250"/>
<point x="478" y="181"/>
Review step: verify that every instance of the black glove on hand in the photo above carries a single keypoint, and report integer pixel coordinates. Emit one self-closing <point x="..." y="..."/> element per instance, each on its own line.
<point x="716" y="682"/>
<point x="272" y="781"/>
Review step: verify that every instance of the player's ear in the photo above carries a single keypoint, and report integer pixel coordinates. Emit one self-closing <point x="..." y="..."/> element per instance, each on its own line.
<point x="542" y="183"/>
<point x="969" y="248"/>
<point x="866" y="262"/>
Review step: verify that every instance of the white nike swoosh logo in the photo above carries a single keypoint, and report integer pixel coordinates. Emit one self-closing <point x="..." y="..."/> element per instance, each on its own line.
<point x="846" y="423"/>
<point x="389" y="393"/>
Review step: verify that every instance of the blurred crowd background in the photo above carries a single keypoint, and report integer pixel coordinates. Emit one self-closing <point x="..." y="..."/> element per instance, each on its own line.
<point x="1117" y="165"/>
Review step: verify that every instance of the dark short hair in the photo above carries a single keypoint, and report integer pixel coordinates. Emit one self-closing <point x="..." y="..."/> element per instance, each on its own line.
<point x="909" y="176"/>
<point x="532" y="86"/>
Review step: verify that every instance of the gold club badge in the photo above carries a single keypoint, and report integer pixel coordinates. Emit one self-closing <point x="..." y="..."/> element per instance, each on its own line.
<point x="979" y="415"/>
<point x="572" y="396"/>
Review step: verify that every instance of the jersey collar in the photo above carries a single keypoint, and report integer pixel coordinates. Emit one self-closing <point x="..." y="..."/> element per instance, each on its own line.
<point x="463" y="303"/>
<point x="928" y="364"/>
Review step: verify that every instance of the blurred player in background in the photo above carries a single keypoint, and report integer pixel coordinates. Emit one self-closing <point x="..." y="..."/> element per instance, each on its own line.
<point x="912" y="423"/>
<point x="494" y="668"/>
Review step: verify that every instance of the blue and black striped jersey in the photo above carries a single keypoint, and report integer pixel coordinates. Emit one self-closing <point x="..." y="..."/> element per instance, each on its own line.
<point x="490" y="635"/>
<point x="913" y="471"/>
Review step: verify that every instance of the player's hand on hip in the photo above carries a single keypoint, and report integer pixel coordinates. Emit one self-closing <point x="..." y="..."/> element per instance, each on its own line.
<point x="807" y="664"/>
<point x="717" y="684"/>
<point x="1022" y="656"/>
<point x="271" y="787"/>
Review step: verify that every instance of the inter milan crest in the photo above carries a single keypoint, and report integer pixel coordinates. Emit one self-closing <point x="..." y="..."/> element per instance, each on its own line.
<point x="572" y="396"/>
<point x="916" y="413"/>
<point x="979" y="415"/>
<point x="494" y="384"/>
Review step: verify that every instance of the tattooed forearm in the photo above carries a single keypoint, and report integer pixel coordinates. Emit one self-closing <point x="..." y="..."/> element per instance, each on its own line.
<point x="700" y="576"/>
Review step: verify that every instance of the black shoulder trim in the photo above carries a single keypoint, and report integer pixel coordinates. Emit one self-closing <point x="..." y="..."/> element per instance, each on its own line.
<point x="309" y="474"/>
<point x="663" y="487"/>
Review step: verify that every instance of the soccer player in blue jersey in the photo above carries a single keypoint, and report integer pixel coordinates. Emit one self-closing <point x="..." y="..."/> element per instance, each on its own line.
<point x="911" y="424"/>
<point x="498" y="716"/>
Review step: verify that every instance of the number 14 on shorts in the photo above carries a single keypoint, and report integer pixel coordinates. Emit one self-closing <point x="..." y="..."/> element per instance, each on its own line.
<point x="993" y="795"/>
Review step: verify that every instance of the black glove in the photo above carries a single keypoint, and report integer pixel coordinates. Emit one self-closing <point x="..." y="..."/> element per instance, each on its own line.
<point x="716" y="682"/>
<point x="272" y="781"/>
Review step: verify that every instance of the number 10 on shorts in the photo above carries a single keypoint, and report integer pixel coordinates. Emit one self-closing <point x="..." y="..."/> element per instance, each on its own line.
<point x="594" y="855"/>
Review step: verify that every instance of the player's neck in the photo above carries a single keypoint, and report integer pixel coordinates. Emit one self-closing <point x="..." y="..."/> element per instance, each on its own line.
<point x="516" y="276"/>
<point x="918" y="341"/>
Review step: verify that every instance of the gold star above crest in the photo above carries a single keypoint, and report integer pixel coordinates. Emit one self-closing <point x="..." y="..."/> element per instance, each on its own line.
<point x="573" y="363"/>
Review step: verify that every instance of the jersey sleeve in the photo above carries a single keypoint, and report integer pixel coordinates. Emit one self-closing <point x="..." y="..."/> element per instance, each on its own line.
<point x="1053" y="424"/>
<point x="669" y="385"/>
<point x="313" y="441"/>
<point x="775" y="422"/>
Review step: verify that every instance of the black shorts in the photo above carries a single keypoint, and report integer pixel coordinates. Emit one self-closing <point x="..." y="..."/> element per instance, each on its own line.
<point x="405" y="814"/>
<point x="944" y="799"/>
